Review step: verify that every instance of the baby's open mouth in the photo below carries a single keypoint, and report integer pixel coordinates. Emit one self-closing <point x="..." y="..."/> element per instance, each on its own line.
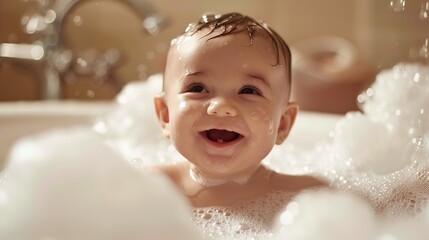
<point x="221" y="136"/>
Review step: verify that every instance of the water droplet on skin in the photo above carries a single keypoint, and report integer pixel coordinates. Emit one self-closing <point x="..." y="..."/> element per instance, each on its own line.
<point x="271" y="128"/>
<point x="397" y="5"/>
<point x="254" y="116"/>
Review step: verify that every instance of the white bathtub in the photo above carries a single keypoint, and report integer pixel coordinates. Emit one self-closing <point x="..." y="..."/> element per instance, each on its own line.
<point x="18" y="119"/>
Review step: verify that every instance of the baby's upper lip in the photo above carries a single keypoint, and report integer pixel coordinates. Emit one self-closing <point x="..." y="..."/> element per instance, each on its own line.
<point x="225" y="127"/>
<point x="221" y="135"/>
<point x="232" y="125"/>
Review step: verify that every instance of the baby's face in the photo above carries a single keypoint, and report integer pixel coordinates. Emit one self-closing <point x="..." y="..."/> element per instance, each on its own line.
<point x="225" y="105"/>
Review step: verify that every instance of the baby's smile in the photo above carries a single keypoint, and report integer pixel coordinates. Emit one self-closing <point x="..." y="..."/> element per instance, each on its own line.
<point x="221" y="135"/>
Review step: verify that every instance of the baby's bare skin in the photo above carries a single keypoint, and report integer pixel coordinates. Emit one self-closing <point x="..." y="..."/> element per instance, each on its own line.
<point x="261" y="182"/>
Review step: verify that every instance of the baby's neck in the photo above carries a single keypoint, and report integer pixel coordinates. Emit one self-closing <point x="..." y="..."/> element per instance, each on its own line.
<point x="222" y="192"/>
<point x="207" y="181"/>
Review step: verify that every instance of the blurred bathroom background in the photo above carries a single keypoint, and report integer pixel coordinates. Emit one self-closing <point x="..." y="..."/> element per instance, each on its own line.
<point x="88" y="50"/>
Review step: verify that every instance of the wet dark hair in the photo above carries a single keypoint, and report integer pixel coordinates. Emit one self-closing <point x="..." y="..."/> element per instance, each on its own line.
<point x="234" y="23"/>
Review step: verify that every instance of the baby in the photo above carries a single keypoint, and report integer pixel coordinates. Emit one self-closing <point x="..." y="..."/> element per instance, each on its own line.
<point x="225" y="103"/>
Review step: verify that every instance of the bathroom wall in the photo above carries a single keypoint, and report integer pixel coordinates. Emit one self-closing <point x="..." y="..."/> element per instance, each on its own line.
<point x="382" y="37"/>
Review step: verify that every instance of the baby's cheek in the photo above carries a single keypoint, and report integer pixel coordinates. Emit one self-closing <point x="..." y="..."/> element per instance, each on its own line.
<point x="263" y="120"/>
<point x="181" y="116"/>
<point x="187" y="106"/>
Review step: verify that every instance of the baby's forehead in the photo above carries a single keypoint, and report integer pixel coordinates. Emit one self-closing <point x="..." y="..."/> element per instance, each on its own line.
<point x="240" y="42"/>
<point x="201" y="45"/>
<point x="206" y="34"/>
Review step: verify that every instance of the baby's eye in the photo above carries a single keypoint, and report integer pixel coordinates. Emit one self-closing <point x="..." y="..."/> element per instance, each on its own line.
<point x="249" y="90"/>
<point x="196" y="88"/>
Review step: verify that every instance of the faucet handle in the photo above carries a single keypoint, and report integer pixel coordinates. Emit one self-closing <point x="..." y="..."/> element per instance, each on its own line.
<point x="21" y="51"/>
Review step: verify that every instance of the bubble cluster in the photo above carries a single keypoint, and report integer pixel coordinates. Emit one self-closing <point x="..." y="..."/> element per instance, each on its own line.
<point x="67" y="184"/>
<point x="397" y="102"/>
<point x="380" y="154"/>
<point x="132" y="127"/>
<point x="331" y="214"/>
<point x="336" y="215"/>
<point x="252" y="219"/>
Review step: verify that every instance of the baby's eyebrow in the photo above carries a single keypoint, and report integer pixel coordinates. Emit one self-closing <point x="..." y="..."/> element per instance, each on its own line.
<point x="191" y="73"/>
<point x="259" y="77"/>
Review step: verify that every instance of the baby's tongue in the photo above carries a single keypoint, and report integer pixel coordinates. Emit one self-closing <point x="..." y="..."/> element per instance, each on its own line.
<point x="221" y="135"/>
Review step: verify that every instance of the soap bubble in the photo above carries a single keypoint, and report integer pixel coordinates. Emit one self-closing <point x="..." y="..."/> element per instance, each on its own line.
<point x="326" y="215"/>
<point x="67" y="184"/>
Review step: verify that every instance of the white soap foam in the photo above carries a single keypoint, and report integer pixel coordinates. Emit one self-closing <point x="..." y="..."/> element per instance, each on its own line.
<point x="326" y="215"/>
<point x="132" y="127"/>
<point x="251" y="219"/>
<point x="68" y="184"/>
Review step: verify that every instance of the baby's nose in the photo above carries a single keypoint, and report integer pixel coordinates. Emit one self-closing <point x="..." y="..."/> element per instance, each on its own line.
<point x="221" y="107"/>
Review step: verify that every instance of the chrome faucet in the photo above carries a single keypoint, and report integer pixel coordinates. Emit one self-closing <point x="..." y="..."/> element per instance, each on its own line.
<point x="56" y="59"/>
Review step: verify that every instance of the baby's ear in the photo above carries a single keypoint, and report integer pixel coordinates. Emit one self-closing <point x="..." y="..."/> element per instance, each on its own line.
<point x="286" y="122"/>
<point x="161" y="110"/>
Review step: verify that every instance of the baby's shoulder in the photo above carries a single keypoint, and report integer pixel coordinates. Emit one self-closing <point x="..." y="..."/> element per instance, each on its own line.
<point x="285" y="182"/>
<point x="163" y="169"/>
<point x="169" y="170"/>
